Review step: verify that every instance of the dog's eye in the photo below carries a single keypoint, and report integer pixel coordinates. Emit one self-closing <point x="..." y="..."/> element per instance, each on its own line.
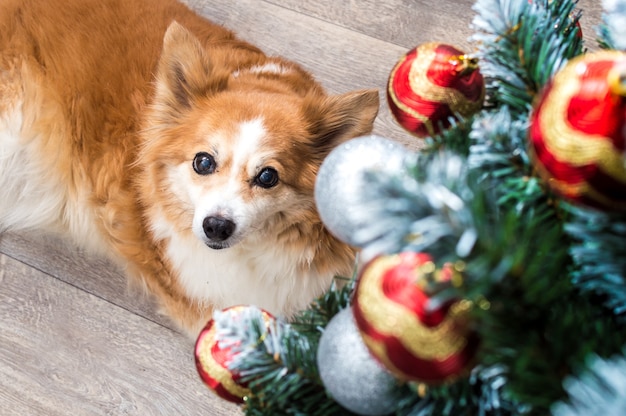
<point x="267" y="178"/>
<point x="204" y="164"/>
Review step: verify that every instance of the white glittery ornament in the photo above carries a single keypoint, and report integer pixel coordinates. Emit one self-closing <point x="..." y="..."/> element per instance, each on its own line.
<point x="349" y="372"/>
<point x="341" y="179"/>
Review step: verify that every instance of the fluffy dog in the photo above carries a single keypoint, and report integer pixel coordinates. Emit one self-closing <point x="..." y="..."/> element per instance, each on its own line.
<point x="145" y="132"/>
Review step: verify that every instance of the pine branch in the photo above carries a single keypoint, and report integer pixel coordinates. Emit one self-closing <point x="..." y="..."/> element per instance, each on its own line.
<point x="438" y="207"/>
<point x="536" y="324"/>
<point x="498" y="143"/>
<point x="612" y="31"/>
<point x="599" y="255"/>
<point x="599" y="390"/>
<point x="500" y="161"/>
<point x="521" y="44"/>
<point x="482" y="393"/>
<point x="422" y="207"/>
<point x="312" y="320"/>
<point x="454" y="139"/>
<point x="278" y="364"/>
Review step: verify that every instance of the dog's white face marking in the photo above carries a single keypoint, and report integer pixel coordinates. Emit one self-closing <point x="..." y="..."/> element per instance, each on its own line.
<point x="222" y="203"/>
<point x="269" y="68"/>
<point x="248" y="144"/>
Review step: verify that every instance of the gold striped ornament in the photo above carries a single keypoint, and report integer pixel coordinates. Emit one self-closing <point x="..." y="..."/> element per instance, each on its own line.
<point x="431" y="84"/>
<point x="413" y="335"/>
<point x="577" y="138"/>
<point x="212" y="361"/>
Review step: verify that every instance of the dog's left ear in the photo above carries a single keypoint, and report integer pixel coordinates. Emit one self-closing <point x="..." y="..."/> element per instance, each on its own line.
<point x="336" y="119"/>
<point x="184" y="69"/>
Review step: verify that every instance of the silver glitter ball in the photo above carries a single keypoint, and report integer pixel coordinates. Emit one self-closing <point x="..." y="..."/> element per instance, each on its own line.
<point x="340" y="180"/>
<point x="350" y="373"/>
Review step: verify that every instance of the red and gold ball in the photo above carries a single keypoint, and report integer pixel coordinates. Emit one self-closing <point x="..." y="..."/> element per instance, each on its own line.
<point x="411" y="334"/>
<point x="577" y="137"/>
<point x="212" y="361"/>
<point x="431" y="84"/>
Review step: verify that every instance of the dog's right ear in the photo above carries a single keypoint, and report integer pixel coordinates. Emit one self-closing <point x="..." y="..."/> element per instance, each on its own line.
<point x="184" y="70"/>
<point x="338" y="118"/>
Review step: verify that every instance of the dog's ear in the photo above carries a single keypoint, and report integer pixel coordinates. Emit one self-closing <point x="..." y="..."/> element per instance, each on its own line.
<point x="335" y="119"/>
<point x="184" y="69"/>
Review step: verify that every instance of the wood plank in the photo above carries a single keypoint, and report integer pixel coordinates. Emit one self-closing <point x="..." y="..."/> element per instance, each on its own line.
<point x="66" y="352"/>
<point x="410" y="23"/>
<point x="403" y="23"/>
<point x="93" y="274"/>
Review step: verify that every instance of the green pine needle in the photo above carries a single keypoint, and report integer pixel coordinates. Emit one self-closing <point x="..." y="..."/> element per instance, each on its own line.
<point x="599" y="255"/>
<point x="599" y="390"/>
<point x="521" y="46"/>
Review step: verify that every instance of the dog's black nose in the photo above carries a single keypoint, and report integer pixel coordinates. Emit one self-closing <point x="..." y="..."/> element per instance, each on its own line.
<point x="218" y="228"/>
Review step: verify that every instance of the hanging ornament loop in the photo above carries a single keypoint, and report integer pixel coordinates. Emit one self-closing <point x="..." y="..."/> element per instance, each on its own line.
<point x="616" y="80"/>
<point x="464" y="64"/>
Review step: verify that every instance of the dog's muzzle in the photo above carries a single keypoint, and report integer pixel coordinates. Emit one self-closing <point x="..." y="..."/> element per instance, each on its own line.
<point x="218" y="229"/>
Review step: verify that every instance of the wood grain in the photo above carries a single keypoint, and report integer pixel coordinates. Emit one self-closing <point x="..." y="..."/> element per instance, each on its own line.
<point x="405" y="23"/>
<point x="66" y="352"/>
<point x="91" y="274"/>
<point x="408" y="23"/>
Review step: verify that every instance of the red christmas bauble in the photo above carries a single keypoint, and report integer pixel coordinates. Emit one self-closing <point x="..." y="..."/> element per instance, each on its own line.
<point x="431" y="84"/>
<point x="212" y="362"/>
<point x="412" y="335"/>
<point x="577" y="136"/>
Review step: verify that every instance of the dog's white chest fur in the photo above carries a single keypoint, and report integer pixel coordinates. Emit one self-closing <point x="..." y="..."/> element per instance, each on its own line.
<point x="262" y="275"/>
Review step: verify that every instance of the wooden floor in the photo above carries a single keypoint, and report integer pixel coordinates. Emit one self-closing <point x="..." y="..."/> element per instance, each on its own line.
<point x="74" y="340"/>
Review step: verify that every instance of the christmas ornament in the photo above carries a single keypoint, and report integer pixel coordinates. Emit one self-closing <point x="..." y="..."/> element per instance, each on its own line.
<point x="350" y="374"/>
<point x="416" y="337"/>
<point x="577" y="135"/>
<point x="432" y="83"/>
<point x="341" y="179"/>
<point x="212" y="361"/>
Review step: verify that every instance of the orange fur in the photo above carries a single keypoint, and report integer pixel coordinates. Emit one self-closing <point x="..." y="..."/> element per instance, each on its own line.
<point x="107" y="99"/>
